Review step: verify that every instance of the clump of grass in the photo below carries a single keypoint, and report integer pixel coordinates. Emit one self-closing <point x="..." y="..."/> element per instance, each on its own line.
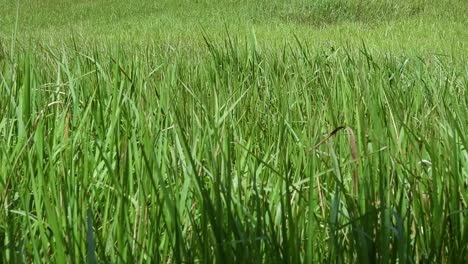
<point x="329" y="13"/>
<point x="154" y="155"/>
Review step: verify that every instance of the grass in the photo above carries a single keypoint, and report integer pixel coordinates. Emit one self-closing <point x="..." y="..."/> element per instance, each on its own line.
<point x="242" y="147"/>
<point x="409" y="27"/>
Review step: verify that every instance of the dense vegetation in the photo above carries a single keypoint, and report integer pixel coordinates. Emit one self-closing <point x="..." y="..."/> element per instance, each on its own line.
<point x="240" y="146"/>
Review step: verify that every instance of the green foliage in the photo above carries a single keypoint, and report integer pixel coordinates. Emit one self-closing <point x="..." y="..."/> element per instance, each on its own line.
<point x="154" y="155"/>
<point x="311" y="131"/>
<point x="412" y="26"/>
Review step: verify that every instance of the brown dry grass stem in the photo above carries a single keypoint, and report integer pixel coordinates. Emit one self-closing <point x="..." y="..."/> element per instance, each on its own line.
<point x="353" y="148"/>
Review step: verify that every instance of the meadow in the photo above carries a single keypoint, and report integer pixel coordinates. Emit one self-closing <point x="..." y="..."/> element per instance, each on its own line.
<point x="328" y="131"/>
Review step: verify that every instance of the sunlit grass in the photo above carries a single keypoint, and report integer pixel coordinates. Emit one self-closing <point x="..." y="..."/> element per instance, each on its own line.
<point x="155" y="155"/>
<point x="235" y="131"/>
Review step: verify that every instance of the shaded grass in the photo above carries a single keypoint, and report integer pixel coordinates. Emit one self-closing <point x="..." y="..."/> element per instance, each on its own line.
<point x="157" y="155"/>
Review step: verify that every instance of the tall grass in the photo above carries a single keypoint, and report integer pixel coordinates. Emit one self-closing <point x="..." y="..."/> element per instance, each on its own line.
<point x="153" y="155"/>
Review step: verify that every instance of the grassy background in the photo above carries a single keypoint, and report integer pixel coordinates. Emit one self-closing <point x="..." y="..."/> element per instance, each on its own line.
<point x="127" y="135"/>
<point x="396" y="26"/>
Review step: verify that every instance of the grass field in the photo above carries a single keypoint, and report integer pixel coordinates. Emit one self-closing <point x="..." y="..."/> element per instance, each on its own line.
<point x="233" y="131"/>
